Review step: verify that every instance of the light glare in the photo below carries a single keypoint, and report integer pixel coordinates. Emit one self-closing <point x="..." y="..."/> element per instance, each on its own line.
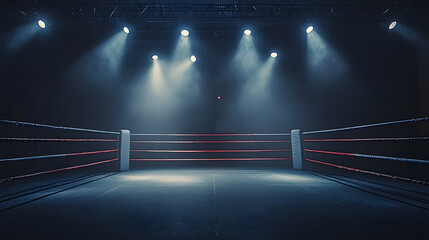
<point x="392" y="25"/>
<point x="247" y="32"/>
<point x="155" y="57"/>
<point x="164" y="178"/>
<point x="41" y="24"/>
<point x="184" y="33"/>
<point x="309" y="29"/>
<point x="274" y="54"/>
<point x="193" y="58"/>
<point x="126" y="30"/>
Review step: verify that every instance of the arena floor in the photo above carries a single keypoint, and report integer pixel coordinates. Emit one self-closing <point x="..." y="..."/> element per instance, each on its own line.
<point x="212" y="204"/>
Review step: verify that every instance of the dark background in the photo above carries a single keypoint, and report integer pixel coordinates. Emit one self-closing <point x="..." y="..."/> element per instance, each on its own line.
<point x="386" y="77"/>
<point x="381" y="84"/>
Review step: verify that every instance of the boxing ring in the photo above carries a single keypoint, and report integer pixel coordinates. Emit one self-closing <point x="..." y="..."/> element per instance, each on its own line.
<point x="85" y="155"/>
<point x="329" y="184"/>
<point x="274" y="147"/>
<point x="418" y="163"/>
<point x="142" y="147"/>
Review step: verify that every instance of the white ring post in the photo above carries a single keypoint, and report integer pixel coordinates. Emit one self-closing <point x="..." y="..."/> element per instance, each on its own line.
<point x="124" y="150"/>
<point x="296" y="149"/>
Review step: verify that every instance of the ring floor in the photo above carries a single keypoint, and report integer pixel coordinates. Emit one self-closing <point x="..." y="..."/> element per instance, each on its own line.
<point x="212" y="204"/>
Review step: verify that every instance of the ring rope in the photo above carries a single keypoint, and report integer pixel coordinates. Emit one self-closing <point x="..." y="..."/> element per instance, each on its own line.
<point x="57" y="170"/>
<point x="56" y="127"/>
<point x="211" y="151"/>
<point x="370" y="156"/>
<point x="366" y="139"/>
<point x="57" y="139"/>
<point x="57" y="155"/>
<point x="187" y="142"/>
<point x="208" y="159"/>
<point x="369" y="172"/>
<point x="209" y="134"/>
<point x="368" y="125"/>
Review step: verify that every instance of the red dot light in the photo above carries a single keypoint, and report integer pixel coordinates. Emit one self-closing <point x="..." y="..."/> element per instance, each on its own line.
<point x="218" y="97"/>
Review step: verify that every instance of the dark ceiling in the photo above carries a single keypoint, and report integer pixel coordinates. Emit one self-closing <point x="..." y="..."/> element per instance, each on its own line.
<point x="217" y="11"/>
<point x="154" y="20"/>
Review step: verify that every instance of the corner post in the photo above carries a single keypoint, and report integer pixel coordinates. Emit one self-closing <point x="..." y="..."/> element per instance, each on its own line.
<point x="124" y="150"/>
<point x="297" y="153"/>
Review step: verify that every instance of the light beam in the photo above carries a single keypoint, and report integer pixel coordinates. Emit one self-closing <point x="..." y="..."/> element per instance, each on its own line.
<point x="246" y="59"/>
<point x="22" y="35"/>
<point x="324" y="63"/>
<point x="102" y="65"/>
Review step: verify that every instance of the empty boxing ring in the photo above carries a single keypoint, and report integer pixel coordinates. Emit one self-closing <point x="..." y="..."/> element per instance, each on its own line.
<point x="74" y="198"/>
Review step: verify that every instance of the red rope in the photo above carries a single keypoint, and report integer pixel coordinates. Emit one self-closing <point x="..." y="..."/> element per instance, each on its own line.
<point x="329" y="152"/>
<point x="210" y="134"/>
<point x="167" y="142"/>
<point x="93" y="152"/>
<point x="57" y="170"/>
<point x="58" y="139"/>
<point x="212" y="151"/>
<point x="368" y="172"/>
<point x="365" y="139"/>
<point x="208" y="159"/>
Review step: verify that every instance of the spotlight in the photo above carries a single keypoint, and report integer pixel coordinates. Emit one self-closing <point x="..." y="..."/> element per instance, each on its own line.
<point x="155" y="57"/>
<point x="274" y="54"/>
<point x="309" y="29"/>
<point x="184" y="33"/>
<point x="193" y="58"/>
<point x="126" y="30"/>
<point x="392" y="25"/>
<point x="41" y="24"/>
<point x="218" y="97"/>
<point x="247" y="32"/>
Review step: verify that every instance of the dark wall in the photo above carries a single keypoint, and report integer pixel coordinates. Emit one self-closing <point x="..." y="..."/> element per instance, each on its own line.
<point x="380" y="82"/>
<point x="423" y="66"/>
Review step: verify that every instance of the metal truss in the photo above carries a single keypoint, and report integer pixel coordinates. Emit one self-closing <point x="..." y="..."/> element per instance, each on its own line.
<point x="215" y="11"/>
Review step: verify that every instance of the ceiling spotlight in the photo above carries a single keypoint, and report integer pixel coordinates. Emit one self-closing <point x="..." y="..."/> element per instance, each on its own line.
<point x="274" y="54"/>
<point x="309" y="29"/>
<point x="155" y="57"/>
<point x="247" y="32"/>
<point x="392" y="25"/>
<point x="193" y="58"/>
<point x="184" y="33"/>
<point x="41" y="24"/>
<point x="126" y="30"/>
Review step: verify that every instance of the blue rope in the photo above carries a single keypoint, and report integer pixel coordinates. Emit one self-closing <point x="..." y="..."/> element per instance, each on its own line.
<point x="203" y="134"/>
<point x="369" y="125"/>
<point x="393" y="158"/>
<point x="34" y="157"/>
<point x="57" y="155"/>
<point x="56" y="127"/>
